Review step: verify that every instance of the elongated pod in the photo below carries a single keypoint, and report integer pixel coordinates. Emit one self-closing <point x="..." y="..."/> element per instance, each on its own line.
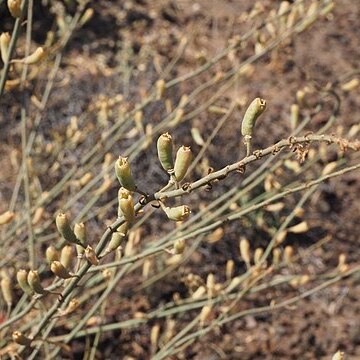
<point x="123" y="173"/>
<point x="182" y="162"/>
<point x="255" y="109"/>
<point x="165" y="151"/>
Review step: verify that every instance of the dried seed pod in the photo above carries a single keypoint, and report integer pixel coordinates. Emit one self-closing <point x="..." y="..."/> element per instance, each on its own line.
<point x="33" y="280"/>
<point x="33" y="58"/>
<point x="116" y="238"/>
<point x="80" y="233"/>
<point x="126" y="207"/>
<point x="6" y="217"/>
<point x="14" y="8"/>
<point x="21" y="339"/>
<point x="299" y="228"/>
<point x="255" y="109"/>
<point x="178" y="213"/>
<point x="182" y="162"/>
<point x="294" y="116"/>
<point x="66" y="256"/>
<point x="123" y="173"/>
<point x="204" y="314"/>
<point x="91" y="256"/>
<point x="339" y="355"/>
<point x="7" y="290"/>
<point x="39" y="212"/>
<point x="51" y="254"/>
<point x="179" y="246"/>
<point x="60" y="271"/>
<point x="88" y="14"/>
<point x="4" y="46"/>
<point x="210" y="285"/>
<point x="21" y="277"/>
<point x="276" y="256"/>
<point x="154" y="337"/>
<point x="229" y="271"/>
<point x="199" y="292"/>
<point x="288" y="254"/>
<point x="165" y="151"/>
<point x="245" y="251"/>
<point x="63" y="226"/>
<point x="258" y="255"/>
<point x="160" y="89"/>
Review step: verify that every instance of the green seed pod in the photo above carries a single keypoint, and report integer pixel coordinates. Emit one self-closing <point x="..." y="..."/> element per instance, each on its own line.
<point x="14" y="8"/>
<point x="126" y="206"/>
<point x="4" y="46"/>
<point x="182" y="162"/>
<point x="123" y="173"/>
<point x="91" y="256"/>
<point x="178" y="213"/>
<point x="63" y="226"/>
<point x="7" y="290"/>
<point x="21" y="277"/>
<point x="116" y="238"/>
<point x="165" y="151"/>
<point x="20" y="338"/>
<point x="80" y="233"/>
<point x="66" y="256"/>
<point x="256" y="108"/>
<point x="51" y="254"/>
<point x="59" y="270"/>
<point x="33" y="280"/>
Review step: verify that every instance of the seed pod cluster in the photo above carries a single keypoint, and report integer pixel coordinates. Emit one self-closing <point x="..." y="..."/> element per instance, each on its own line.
<point x="123" y="173"/>
<point x="165" y="151"/>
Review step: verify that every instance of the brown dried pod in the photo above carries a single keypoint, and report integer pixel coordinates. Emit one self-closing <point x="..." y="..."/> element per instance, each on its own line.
<point x="14" y="8"/>
<point x="20" y="338"/>
<point x="60" y="271"/>
<point x="91" y="256"/>
<point x="7" y="290"/>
